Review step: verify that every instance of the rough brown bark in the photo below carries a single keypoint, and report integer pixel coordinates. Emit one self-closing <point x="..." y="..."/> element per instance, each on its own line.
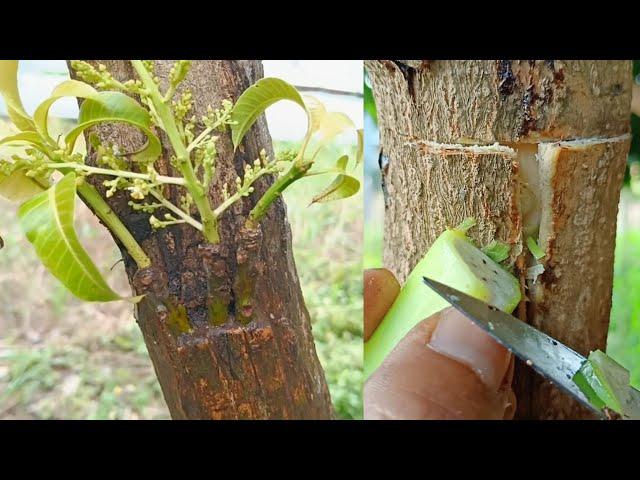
<point x="452" y="101"/>
<point x="515" y="109"/>
<point x="225" y="325"/>
<point x="442" y="185"/>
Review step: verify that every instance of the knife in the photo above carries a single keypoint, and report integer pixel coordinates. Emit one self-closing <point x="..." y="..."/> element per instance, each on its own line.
<point x="547" y="356"/>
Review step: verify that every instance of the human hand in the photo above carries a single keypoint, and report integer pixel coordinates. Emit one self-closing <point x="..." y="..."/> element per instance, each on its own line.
<point x="444" y="368"/>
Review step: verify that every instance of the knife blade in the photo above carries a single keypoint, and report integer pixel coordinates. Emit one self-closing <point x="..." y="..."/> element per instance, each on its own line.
<point x="550" y="358"/>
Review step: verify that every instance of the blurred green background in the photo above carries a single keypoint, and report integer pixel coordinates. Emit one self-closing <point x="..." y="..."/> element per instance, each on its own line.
<point x="67" y="359"/>
<point x="624" y="331"/>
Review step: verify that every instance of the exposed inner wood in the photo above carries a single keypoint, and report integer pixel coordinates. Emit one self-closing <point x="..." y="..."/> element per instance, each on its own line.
<point x="529" y="187"/>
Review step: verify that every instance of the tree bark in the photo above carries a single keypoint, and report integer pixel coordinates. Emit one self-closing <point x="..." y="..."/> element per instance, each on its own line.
<point x="225" y="325"/>
<point x="483" y="139"/>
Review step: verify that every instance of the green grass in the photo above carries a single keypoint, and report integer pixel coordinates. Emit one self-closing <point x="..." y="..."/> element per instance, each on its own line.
<point x="327" y="243"/>
<point x="73" y="382"/>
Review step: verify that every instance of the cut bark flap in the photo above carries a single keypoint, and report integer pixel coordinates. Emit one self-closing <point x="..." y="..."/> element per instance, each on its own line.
<point x="580" y="190"/>
<point x="225" y="325"/>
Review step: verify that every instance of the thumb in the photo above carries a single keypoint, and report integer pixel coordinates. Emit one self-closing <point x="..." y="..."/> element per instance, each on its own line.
<point x="380" y="291"/>
<point x="445" y="368"/>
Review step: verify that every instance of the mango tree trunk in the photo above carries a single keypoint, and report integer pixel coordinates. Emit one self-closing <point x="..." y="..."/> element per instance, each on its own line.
<point x="528" y="148"/>
<point x="225" y="325"/>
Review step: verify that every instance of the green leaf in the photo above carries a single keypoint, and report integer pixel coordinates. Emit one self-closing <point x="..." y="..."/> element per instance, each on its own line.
<point x="17" y="186"/>
<point x="534" y="248"/>
<point x="255" y="100"/>
<point x="369" y="102"/>
<point x="117" y="107"/>
<point x="9" y="91"/>
<point x="466" y="224"/>
<point x="70" y="88"/>
<point x="360" y="147"/>
<point x="585" y="378"/>
<point x="497" y="251"/>
<point x="24" y="138"/>
<point x="605" y="381"/>
<point x="341" y="163"/>
<point x="343" y="186"/>
<point x="333" y="124"/>
<point x="47" y="221"/>
<point x="315" y="111"/>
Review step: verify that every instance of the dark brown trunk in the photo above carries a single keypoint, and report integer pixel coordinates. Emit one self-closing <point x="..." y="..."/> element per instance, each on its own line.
<point x="225" y="325"/>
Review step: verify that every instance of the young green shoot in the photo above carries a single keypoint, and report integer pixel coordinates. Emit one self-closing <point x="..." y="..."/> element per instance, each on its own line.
<point x="193" y="144"/>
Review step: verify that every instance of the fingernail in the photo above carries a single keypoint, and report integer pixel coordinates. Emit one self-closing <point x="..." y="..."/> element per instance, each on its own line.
<point x="458" y="338"/>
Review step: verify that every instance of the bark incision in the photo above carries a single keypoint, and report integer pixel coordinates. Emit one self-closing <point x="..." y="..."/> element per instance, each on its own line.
<point x="225" y="325"/>
<point x="453" y="106"/>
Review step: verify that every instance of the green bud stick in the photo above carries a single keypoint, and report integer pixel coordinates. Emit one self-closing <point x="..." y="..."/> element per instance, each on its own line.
<point x="455" y="261"/>
<point x="605" y="382"/>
